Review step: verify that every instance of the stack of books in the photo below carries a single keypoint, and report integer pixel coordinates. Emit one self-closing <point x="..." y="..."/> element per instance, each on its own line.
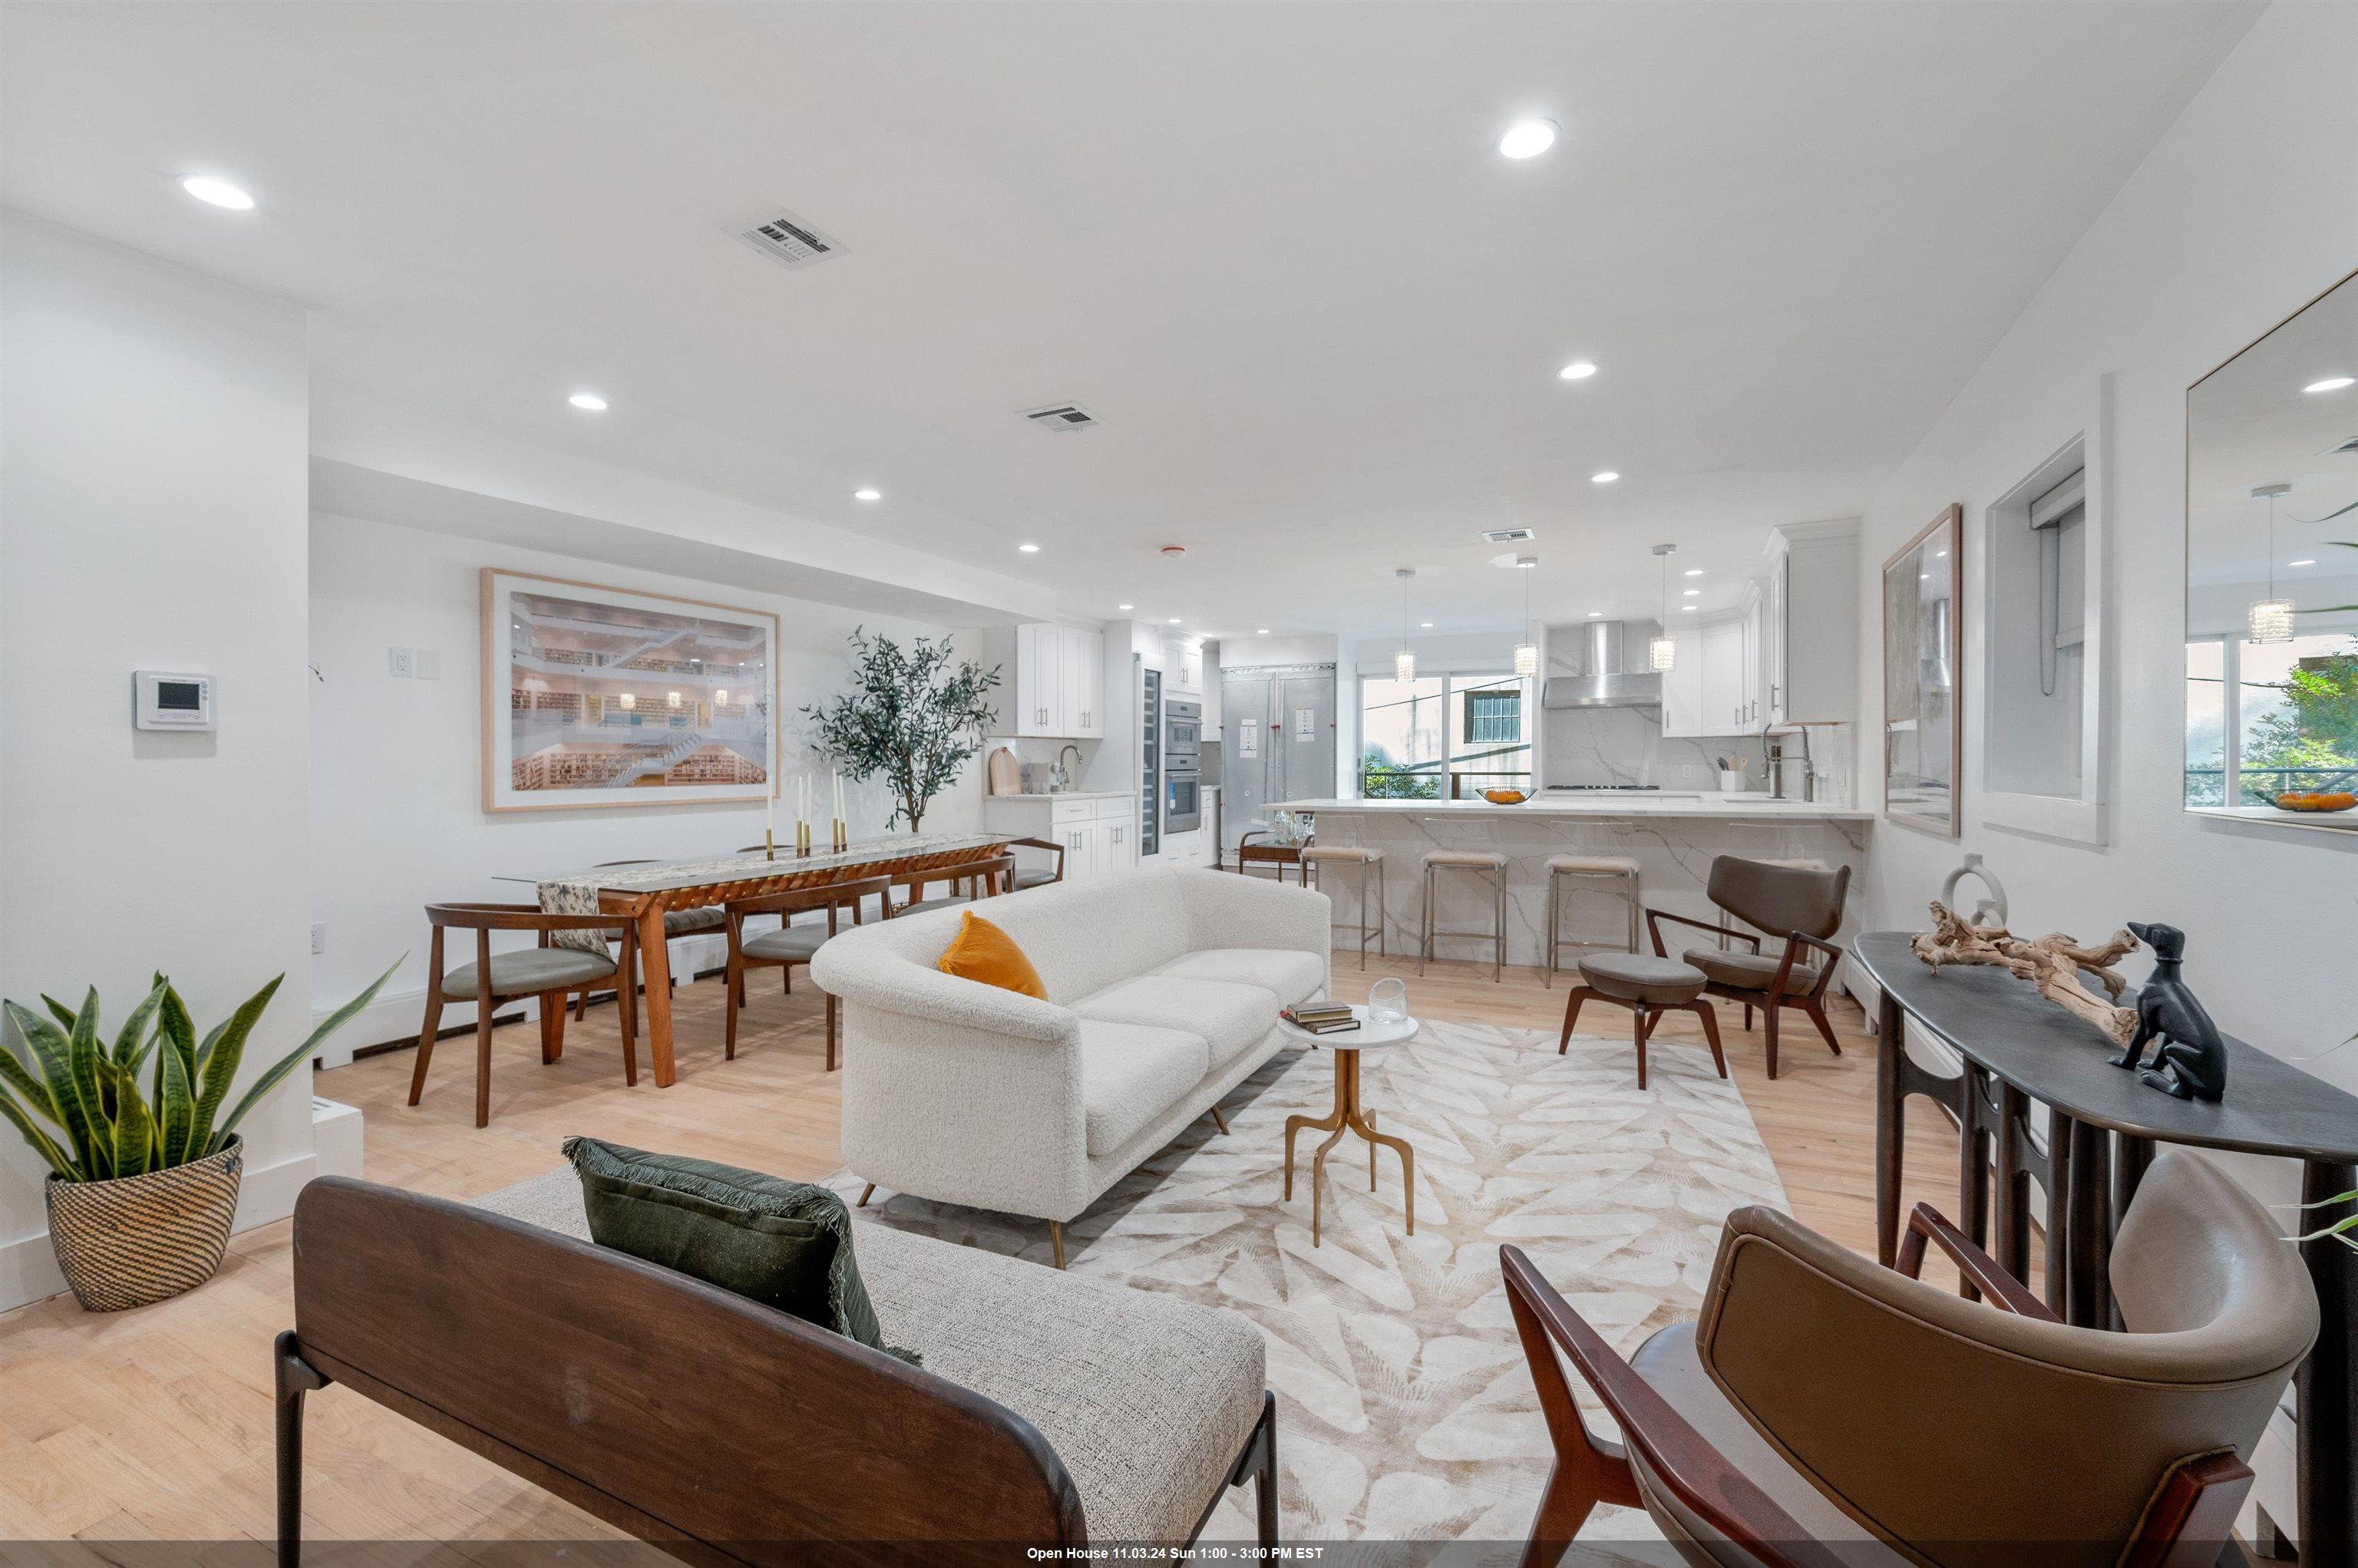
<point x="1320" y="1018"/>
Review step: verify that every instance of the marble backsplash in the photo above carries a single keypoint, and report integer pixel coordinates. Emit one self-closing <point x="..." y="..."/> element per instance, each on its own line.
<point x="1626" y="746"/>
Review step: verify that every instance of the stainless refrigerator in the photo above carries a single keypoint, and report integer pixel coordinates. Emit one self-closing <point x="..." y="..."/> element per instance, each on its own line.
<point x="1277" y="742"/>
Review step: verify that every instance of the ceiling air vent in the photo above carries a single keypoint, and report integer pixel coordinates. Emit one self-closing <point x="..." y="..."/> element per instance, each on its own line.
<point x="787" y="240"/>
<point x="1507" y="536"/>
<point x="2349" y="445"/>
<point x="1061" y="417"/>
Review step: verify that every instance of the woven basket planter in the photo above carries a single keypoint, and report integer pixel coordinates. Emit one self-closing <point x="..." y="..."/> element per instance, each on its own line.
<point x="138" y="1240"/>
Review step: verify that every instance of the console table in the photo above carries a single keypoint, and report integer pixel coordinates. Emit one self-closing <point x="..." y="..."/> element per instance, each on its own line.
<point x="2017" y="1049"/>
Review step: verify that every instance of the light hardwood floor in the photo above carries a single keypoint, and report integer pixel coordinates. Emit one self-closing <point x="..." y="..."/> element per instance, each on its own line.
<point x="156" y="1423"/>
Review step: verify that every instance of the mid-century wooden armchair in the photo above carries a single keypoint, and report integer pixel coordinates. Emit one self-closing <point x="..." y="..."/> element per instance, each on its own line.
<point x="1826" y="1410"/>
<point x="547" y="972"/>
<point x="677" y="922"/>
<point x="971" y="880"/>
<point x="790" y="943"/>
<point x="1805" y="904"/>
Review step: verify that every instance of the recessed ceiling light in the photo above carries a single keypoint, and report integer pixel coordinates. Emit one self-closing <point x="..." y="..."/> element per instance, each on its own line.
<point x="1597" y="615"/>
<point x="1261" y="632"/>
<point x="1125" y="606"/>
<point x="1174" y="621"/>
<point x="1578" y="370"/>
<point x="1426" y="624"/>
<point x="1694" y="572"/>
<point x="1606" y="476"/>
<point x="2331" y="383"/>
<point x="867" y="495"/>
<point x="588" y="400"/>
<point x="1029" y="549"/>
<point x="2307" y="563"/>
<point x="1528" y="138"/>
<point x="1692" y="593"/>
<point x="1690" y="609"/>
<point x="219" y="192"/>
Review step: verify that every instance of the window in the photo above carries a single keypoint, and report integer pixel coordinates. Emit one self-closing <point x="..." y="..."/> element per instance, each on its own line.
<point x="1439" y="737"/>
<point x="1493" y="718"/>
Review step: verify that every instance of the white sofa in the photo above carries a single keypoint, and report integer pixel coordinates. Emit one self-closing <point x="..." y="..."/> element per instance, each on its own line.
<point x="1163" y="988"/>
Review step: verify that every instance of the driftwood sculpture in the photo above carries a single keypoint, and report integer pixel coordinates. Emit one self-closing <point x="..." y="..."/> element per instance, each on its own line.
<point x="2053" y="963"/>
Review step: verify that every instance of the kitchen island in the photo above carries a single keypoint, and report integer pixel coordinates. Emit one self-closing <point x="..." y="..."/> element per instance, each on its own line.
<point x="1671" y="836"/>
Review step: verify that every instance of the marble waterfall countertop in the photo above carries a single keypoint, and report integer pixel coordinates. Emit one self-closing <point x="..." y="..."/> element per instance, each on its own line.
<point x="1596" y="803"/>
<point x="1671" y="836"/>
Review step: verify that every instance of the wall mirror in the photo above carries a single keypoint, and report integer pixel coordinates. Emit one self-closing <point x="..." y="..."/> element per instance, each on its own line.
<point x="1924" y="584"/>
<point x="2271" y="575"/>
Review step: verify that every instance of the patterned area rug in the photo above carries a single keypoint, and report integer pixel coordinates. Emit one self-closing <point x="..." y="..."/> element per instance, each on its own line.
<point x="1404" y="1409"/>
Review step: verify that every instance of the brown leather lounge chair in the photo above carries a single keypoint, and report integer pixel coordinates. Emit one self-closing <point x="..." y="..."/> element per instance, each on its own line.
<point x="1828" y="1411"/>
<point x="1803" y="904"/>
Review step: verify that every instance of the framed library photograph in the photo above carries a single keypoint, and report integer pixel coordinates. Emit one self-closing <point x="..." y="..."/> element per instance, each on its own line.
<point x="604" y="696"/>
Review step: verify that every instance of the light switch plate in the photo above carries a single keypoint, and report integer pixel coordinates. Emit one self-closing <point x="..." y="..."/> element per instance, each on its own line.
<point x="429" y="664"/>
<point x="318" y="936"/>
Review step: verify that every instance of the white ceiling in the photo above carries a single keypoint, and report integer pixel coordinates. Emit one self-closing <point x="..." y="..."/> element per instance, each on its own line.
<point x="1272" y="247"/>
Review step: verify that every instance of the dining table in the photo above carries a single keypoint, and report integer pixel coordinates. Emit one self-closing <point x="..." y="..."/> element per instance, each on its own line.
<point x="639" y="893"/>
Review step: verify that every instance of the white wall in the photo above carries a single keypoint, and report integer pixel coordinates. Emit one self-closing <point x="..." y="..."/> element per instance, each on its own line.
<point x="2244" y="209"/>
<point x="151" y="516"/>
<point x="395" y="808"/>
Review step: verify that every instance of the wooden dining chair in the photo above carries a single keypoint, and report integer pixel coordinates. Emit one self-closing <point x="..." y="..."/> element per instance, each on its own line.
<point x="1039" y="879"/>
<point x="981" y="879"/>
<point x="677" y="922"/>
<point x="548" y="972"/>
<point x="1806" y="905"/>
<point x="791" y="944"/>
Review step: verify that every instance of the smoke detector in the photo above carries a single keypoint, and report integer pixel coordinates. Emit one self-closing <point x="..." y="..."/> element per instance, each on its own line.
<point x="786" y="240"/>
<point x="1173" y="552"/>
<point x="1060" y="416"/>
<point x="1507" y="536"/>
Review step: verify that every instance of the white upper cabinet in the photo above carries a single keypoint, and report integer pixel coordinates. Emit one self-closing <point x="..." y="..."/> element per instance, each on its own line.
<point x="1724" y="695"/>
<point x="1058" y="687"/>
<point x="1683" y="688"/>
<point x="1183" y="666"/>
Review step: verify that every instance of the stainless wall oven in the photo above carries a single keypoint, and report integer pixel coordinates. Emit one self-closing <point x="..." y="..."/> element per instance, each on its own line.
<point x="1183" y="764"/>
<point x="1182" y="727"/>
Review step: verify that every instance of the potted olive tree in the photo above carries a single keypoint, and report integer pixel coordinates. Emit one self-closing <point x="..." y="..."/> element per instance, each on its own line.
<point x="142" y="1187"/>
<point x="911" y="716"/>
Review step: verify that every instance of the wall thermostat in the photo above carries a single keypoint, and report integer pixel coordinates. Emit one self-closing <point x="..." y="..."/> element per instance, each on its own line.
<point x="161" y="701"/>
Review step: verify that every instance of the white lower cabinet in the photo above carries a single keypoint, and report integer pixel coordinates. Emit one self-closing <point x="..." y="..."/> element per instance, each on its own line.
<point x="1098" y="832"/>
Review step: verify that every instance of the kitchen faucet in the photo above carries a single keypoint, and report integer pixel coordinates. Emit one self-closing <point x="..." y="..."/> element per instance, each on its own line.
<point x="1773" y="747"/>
<point x="1064" y="779"/>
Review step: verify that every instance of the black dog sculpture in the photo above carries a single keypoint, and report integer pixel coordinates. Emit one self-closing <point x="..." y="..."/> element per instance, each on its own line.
<point x="2189" y="1060"/>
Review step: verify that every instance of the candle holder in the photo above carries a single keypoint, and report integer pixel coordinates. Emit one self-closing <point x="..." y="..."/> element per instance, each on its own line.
<point x="769" y="845"/>
<point x="802" y="838"/>
<point x="842" y="836"/>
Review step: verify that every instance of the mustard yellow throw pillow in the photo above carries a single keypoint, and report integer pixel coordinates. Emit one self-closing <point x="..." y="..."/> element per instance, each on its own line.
<point x="983" y="952"/>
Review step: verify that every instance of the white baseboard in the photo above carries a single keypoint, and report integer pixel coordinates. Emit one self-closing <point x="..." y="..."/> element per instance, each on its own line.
<point x="28" y="1268"/>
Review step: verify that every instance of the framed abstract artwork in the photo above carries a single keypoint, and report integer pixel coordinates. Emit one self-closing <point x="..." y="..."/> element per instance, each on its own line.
<point x="1923" y="652"/>
<point x="605" y="696"/>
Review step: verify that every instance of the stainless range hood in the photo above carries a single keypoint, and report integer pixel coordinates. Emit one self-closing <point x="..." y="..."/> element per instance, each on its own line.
<point x="1589" y="666"/>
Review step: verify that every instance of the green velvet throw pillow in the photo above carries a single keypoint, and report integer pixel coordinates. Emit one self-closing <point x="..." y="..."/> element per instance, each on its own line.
<point x="785" y="1244"/>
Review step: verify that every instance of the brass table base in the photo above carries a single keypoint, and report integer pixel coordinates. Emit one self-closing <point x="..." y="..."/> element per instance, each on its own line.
<point x="1348" y="1116"/>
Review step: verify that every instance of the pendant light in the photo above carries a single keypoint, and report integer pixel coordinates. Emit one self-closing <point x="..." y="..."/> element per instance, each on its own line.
<point x="1404" y="661"/>
<point x="2271" y="617"/>
<point x="1662" y="650"/>
<point x="1527" y="652"/>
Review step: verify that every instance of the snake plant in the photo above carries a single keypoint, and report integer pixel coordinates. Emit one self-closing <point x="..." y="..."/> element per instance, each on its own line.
<point x="88" y="1089"/>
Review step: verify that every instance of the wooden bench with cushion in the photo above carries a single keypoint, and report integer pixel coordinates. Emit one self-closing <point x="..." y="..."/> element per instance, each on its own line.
<point x="1051" y="1410"/>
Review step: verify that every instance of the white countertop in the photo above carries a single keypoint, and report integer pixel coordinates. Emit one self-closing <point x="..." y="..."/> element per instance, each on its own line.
<point x="1635" y="803"/>
<point x="1065" y="795"/>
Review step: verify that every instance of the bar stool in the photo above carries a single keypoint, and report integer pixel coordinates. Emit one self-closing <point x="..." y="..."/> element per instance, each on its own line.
<point x="1611" y="869"/>
<point x="1316" y="858"/>
<point x="1481" y="863"/>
